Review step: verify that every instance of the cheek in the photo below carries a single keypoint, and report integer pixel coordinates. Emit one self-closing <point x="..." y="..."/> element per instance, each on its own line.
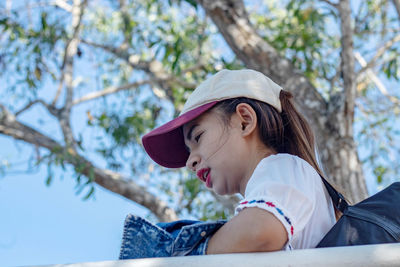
<point x="216" y="147"/>
<point x="233" y="157"/>
<point x="229" y="157"/>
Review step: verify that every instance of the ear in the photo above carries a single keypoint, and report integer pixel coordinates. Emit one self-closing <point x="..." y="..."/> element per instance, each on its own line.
<point x="247" y="117"/>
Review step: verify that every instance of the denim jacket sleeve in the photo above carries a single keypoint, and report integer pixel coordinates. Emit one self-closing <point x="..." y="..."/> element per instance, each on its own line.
<point x="142" y="239"/>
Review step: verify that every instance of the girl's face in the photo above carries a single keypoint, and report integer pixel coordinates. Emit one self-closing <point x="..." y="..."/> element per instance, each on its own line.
<point x="219" y="154"/>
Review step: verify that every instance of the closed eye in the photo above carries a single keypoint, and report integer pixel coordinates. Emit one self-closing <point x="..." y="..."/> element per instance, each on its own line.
<point x="197" y="138"/>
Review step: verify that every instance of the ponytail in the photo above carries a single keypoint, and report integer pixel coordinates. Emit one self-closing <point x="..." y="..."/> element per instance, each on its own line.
<point x="298" y="136"/>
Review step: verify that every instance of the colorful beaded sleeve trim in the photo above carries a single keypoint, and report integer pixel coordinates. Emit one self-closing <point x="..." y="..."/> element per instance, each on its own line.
<point x="268" y="204"/>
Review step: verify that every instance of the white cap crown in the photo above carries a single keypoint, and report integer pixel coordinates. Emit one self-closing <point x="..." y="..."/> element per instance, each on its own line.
<point x="227" y="84"/>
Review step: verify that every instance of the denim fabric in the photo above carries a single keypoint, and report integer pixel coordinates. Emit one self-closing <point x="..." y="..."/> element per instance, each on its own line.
<point x="175" y="227"/>
<point x="142" y="239"/>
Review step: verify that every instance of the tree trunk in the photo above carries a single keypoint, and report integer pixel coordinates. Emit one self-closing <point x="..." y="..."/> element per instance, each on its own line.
<point x="341" y="163"/>
<point x="340" y="150"/>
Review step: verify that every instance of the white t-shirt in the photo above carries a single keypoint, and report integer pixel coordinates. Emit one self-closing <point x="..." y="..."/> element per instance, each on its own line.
<point x="289" y="188"/>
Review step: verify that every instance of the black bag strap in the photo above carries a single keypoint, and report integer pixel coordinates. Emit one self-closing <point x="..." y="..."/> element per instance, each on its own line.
<point x="338" y="199"/>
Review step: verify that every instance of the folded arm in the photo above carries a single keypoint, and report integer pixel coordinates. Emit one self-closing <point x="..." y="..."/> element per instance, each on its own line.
<point x="252" y="230"/>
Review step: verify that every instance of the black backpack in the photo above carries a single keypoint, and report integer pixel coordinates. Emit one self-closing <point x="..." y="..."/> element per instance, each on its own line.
<point x="374" y="220"/>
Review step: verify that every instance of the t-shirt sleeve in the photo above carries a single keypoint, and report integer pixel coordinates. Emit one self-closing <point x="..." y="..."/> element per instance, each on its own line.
<point x="285" y="190"/>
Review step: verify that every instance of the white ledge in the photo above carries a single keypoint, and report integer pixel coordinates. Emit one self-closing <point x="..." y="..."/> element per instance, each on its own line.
<point x="368" y="255"/>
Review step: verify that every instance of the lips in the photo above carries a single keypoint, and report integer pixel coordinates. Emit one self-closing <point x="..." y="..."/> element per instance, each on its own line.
<point x="208" y="180"/>
<point x="204" y="176"/>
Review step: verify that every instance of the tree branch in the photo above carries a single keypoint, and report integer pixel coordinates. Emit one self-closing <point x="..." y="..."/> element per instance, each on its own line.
<point x="53" y="110"/>
<point x="371" y="64"/>
<point x="70" y="51"/>
<point x="107" y="91"/>
<point x="330" y="3"/>
<point x="11" y="127"/>
<point x="28" y="106"/>
<point x="72" y="44"/>
<point x="107" y="179"/>
<point x="347" y="65"/>
<point x="381" y="87"/>
<point x="396" y="4"/>
<point x="62" y="4"/>
<point x="133" y="60"/>
<point x="59" y="89"/>
<point x="153" y="68"/>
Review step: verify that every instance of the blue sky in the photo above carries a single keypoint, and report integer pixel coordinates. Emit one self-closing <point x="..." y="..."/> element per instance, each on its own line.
<point x="47" y="225"/>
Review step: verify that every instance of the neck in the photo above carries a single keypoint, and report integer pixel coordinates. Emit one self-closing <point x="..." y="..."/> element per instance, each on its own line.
<point x="254" y="160"/>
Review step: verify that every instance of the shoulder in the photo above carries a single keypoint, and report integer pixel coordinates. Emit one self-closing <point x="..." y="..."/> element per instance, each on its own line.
<point x="285" y="161"/>
<point x="283" y="170"/>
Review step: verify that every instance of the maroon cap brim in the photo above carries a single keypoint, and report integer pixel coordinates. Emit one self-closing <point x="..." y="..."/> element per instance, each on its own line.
<point x="165" y="144"/>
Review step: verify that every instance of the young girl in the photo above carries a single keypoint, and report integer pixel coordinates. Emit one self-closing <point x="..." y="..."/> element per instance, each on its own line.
<point x="240" y="133"/>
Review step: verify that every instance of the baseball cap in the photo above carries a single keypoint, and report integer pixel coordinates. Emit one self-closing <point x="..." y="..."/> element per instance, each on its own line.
<point x="165" y="144"/>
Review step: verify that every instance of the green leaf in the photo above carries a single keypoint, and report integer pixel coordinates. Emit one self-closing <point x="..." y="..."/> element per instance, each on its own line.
<point x="89" y="194"/>
<point x="91" y="174"/>
<point x="38" y="73"/>
<point x="49" y="179"/>
<point x="192" y="2"/>
<point x="43" y="21"/>
<point x="379" y="172"/>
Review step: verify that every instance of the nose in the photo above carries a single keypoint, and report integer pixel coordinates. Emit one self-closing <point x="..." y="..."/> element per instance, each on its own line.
<point x="192" y="162"/>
